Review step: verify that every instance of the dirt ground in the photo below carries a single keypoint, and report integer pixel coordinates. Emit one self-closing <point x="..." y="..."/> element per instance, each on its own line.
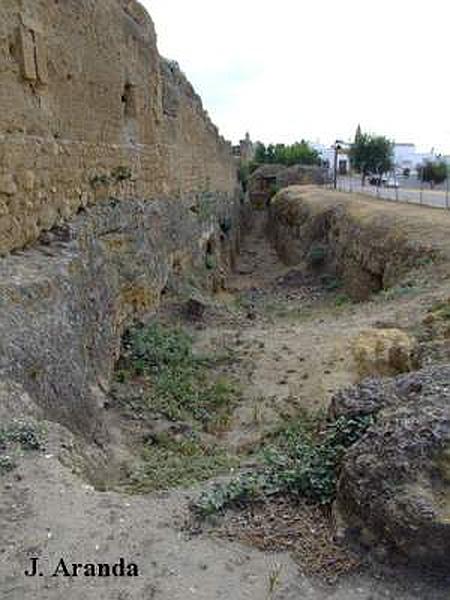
<point x="292" y="338"/>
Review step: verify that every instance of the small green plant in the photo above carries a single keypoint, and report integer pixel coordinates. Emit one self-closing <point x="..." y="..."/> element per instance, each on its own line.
<point x="121" y="173"/>
<point x="426" y="261"/>
<point x="210" y="261"/>
<point x="7" y="465"/>
<point x="441" y="310"/>
<point x="274" y="189"/>
<point x="26" y="435"/>
<point x="169" y="463"/>
<point x="225" y="224"/>
<point x="182" y="384"/>
<point x="300" y="462"/>
<point x="317" y="256"/>
<point x="16" y="437"/>
<point x="398" y="291"/>
<point x="274" y="580"/>
<point x="331" y="283"/>
<point x="183" y="388"/>
<point x="342" y="300"/>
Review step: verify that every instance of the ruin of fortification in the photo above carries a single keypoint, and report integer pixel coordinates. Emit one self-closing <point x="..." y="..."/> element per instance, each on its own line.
<point x="90" y="110"/>
<point x="112" y="178"/>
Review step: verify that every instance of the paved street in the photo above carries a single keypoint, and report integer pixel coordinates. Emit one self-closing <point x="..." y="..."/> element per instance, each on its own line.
<point x="438" y="197"/>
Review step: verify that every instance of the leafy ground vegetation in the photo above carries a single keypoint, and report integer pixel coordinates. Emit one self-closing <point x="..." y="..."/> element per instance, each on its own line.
<point x="18" y="437"/>
<point x="302" y="461"/>
<point x="188" y="399"/>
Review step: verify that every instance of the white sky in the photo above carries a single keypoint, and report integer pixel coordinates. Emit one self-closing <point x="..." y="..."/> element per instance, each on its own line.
<point x="291" y="69"/>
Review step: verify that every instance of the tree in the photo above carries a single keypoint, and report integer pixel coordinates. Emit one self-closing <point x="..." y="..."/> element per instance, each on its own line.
<point x="299" y="153"/>
<point x="260" y="153"/>
<point x="433" y="173"/>
<point x="371" y="154"/>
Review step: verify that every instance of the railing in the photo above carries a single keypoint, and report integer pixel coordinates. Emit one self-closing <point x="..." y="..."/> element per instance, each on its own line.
<point x="401" y="189"/>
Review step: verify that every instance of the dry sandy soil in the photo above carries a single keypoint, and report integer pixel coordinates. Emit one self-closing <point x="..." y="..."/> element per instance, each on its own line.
<point x="293" y="339"/>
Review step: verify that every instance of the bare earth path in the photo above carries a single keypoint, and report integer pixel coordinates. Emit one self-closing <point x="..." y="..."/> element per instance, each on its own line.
<point x="294" y="346"/>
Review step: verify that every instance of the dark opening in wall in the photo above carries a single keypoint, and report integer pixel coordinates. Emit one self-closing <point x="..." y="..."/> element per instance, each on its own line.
<point x="129" y="101"/>
<point x="210" y="254"/>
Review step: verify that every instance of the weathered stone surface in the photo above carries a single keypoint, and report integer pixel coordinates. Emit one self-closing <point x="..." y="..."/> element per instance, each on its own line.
<point x="89" y="106"/>
<point x="268" y="178"/>
<point x="64" y="303"/>
<point x="384" y="352"/>
<point x="368" y="247"/>
<point x="394" y="489"/>
<point x="7" y="185"/>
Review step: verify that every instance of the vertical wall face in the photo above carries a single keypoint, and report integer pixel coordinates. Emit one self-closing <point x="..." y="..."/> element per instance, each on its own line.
<point x="89" y="109"/>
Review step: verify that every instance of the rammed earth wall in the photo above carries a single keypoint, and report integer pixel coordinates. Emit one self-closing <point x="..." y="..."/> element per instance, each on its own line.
<point x="88" y="109"/>
<point x="112" y="178"/>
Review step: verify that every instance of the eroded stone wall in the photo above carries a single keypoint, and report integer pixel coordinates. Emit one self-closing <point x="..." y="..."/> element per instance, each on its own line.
<point x="65" y="302"/>
<point x="90" y="110"/>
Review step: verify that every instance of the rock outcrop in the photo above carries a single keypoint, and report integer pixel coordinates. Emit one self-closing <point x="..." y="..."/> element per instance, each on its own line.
<point x="367" y="245"/>
<point x="394" y="488"/>
<point x="65" y="302"/>
<point x="384" y="352"/>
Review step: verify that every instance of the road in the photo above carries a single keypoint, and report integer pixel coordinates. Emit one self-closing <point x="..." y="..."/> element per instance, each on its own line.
<point x="439" y="198"/>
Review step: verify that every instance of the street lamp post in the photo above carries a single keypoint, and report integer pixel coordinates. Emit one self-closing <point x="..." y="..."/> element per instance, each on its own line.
<point x="337" y="147"/>
<point x="447" y="186"/>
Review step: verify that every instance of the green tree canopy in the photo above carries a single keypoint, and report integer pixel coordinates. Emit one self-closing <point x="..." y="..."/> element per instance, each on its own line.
<point x="433" y="173"/>
<point x="299" y="153"/>
<point x="371" y="154"/>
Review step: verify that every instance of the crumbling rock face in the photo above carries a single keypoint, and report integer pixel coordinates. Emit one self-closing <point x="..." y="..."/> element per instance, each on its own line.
<point x="361" y="242"/>
<point x="269" y="178"/>
<point x="65" y="302"/>
<point x="394" y="488"/>
<point x="384" y="352"/>
<point x="89" y="110"/>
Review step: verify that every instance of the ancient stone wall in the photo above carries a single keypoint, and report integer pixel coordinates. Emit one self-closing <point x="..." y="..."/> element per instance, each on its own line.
<point x="64" y="303"/>
<point x="88" y="109"/>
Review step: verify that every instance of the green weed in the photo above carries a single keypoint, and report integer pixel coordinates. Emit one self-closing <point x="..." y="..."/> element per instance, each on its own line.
<point x="170" y="463"/>
<point x="183" y="385"/>
<point x="300" y="462"/>
<point x="28" y="436"/>
<point x="7" y="464"/>
<point x="441" y="310"/>
<point x="16" y="437"/>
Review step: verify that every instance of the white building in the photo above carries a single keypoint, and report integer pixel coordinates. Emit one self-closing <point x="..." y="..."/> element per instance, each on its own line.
<point x="407" y="157"/>
<point x="326" y="153"/>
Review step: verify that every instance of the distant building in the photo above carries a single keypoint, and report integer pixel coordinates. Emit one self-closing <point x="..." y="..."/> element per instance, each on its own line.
<point x="245" y="150"/>
<point x="407" y="157"/>
<point x="326" y="154"/>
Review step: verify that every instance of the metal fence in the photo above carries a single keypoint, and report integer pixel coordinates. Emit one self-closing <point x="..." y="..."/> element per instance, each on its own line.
<point x="400" y="190"/>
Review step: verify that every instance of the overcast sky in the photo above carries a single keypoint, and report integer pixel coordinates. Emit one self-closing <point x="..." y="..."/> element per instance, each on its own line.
<point x="291" y="69"/>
